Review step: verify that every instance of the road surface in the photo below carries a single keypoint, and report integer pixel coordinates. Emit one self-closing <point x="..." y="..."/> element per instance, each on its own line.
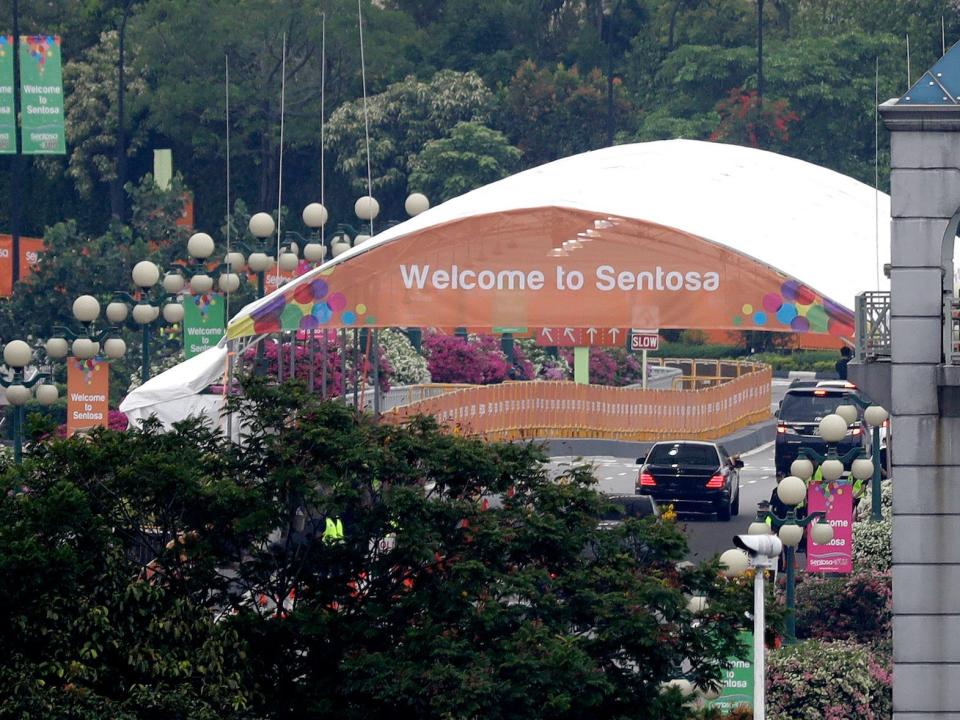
<point x="706" y="535"/>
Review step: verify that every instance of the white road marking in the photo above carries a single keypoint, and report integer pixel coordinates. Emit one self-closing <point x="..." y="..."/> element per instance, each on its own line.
<point x="765" y="446"/>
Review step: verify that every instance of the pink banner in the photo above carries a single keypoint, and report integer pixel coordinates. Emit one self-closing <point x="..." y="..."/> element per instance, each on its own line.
<point x="837" y="502"/>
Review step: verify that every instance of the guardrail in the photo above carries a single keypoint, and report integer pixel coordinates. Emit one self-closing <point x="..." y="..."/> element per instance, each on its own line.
<point x="872" y="311"/>
<point x="537" y="409"/>
<point x="702" y="373"/>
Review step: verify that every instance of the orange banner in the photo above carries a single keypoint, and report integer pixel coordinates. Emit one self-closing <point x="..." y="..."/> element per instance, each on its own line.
<point x="548" y="267"/>
<point x="30" y="249"/>
<point x="530" y="410"/>
<point x="88" y="394"/>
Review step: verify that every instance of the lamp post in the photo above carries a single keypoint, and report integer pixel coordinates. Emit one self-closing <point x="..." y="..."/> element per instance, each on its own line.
<point x="875" y="416"/>
<point x="791" y="491"/>
<point x="16" y="356"/>
<point x="147" y="304"/>
<point x="89" y="342"/>
<point x="759" y="552"/>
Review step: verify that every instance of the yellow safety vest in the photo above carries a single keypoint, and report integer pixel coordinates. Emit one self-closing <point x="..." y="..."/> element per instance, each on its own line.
<point x="333" y="531"/>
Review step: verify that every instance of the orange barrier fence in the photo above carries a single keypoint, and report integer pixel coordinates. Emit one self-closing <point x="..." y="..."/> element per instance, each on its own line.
<point x="529" y="410"/>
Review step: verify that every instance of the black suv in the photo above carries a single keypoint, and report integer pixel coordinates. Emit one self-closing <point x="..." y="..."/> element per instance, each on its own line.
<point x="801" y="410"/>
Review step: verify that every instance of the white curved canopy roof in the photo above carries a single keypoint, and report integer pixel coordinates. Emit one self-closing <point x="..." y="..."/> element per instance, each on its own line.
<point x="823" y="228"/>
<point x="826" y="229"/>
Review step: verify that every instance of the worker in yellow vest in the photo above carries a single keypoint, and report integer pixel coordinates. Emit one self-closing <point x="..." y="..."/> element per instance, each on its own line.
<point x="333" y="532"/>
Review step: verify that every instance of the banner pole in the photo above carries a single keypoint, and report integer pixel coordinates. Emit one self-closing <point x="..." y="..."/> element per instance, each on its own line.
<point x="15" y="198"/>
<point x="643" y="369"/>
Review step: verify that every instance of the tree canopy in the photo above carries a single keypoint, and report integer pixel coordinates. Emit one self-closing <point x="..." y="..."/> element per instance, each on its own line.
<point x="177" y="575"/>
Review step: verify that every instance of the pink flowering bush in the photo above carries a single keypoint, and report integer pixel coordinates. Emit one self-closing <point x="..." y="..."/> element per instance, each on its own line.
<point x="117" y="420"/>
<point x="335" y="371"/>
<point x="477" y="360"/>
<point x="857" y="607"/>
<point x="828" y="680"/>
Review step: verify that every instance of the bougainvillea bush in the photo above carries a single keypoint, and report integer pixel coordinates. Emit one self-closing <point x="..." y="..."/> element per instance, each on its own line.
<point x="828" y="680"/>
<point x="335" y="374"/>
<point x="857" y="607"/>
<point x="476" y="360"/>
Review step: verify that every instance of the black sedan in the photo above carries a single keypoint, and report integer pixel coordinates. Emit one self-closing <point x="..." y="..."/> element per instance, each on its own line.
<point x="691" y="475"/>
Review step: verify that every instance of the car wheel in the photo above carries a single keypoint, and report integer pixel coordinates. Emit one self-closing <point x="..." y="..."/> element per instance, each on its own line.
<point x="724" y="512"/>
<point x="735" y="508"/>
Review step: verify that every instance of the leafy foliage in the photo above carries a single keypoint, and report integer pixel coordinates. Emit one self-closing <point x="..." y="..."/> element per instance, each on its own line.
<point x="857" y="607"/>
<point x="176" y="575"/>
<point x="472" y="156"/>
<point x="822" y="680"/>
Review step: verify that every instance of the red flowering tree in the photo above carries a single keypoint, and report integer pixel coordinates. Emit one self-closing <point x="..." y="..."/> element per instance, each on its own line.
<point x="744" y="120"/>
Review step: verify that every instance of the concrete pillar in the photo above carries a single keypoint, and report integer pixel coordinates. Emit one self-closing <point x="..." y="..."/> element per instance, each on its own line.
<point x="925" y="198"/>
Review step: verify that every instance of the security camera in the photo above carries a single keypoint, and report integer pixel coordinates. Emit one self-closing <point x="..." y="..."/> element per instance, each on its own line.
<point x="754" y="545"/>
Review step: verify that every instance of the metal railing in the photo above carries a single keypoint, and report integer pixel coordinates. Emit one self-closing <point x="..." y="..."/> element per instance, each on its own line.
<point x="951" y="349"/>
<point x="872" y="326"/>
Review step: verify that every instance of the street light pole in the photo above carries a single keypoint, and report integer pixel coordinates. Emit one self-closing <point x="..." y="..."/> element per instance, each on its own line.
<point x="17" y="355"/>
<point x="759" y="552"/>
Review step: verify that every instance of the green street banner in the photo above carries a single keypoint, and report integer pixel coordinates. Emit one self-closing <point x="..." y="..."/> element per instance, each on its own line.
<point x="8" y="120"/>
<point x="41" y="96"/>
<point x="737" y="688"/>
<point x="204" y="319"/>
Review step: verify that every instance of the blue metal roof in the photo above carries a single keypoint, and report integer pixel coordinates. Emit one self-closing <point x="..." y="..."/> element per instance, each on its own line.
<point x="940" y="85"/>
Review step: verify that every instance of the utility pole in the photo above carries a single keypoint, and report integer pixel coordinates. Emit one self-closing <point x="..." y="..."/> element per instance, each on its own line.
<point x="15" y="196"/>
<point x="760" y="53"/>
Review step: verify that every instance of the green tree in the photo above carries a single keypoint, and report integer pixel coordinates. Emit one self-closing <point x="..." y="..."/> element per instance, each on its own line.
<point x="403" y="118"/>
<point x="472" y="156"/>
<point x="177" y="575"/>
<point x="545" y="111"/>
<point x="186" y="73"/>
<point x="90" y="108"/>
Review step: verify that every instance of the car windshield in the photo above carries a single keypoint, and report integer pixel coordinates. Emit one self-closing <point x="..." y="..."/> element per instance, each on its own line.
<point x="683" y="454"/>
<point x="810" y="407"/>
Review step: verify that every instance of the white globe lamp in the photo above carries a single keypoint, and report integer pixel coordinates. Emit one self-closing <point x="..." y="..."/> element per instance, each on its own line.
<point x="47" y="394"/>
<point x="143" y="313"/>
<point x="416" y="203"/>
<point x="792" y="490"/>
<point x="200" y="284"/>
<point x="114" y="348"/>
<point x="173" y="312"/>
<point x="173" y="283"/>
<point x="288" y="261"/>
<point x="18" y="395"/>
<point x="117" y="312"/>
<point x="235" y="261"/>
<point x="862" y="468"/>
<point x="802" y="468"/>
<point x="314" y="252"/>
<point x="366" y="208"/>
<point x="57" y="348"/>
<point x="315" y="215"/>
<point x="17" y="354"/>
<point x="848" y="413"/>
<point x="791" y="535"/>
<point x="85" y="348"/>
<point x="261" y="225"/>
<point x="145" y="274"/>
<point x="833" y="428"/>
<point x="229" y="282"/>
<point x="832" y="469"/>
<point x="875" y="415"/>
<point x="200" y="246"/>
<point x="734" y="562"/>
<point x="258" y="262"/>
<point x="821" y="533"/>
<point x="86" y="308"/>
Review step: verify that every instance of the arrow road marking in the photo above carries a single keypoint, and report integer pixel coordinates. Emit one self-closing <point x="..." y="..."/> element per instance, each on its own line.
<point x="569" y="333"/>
